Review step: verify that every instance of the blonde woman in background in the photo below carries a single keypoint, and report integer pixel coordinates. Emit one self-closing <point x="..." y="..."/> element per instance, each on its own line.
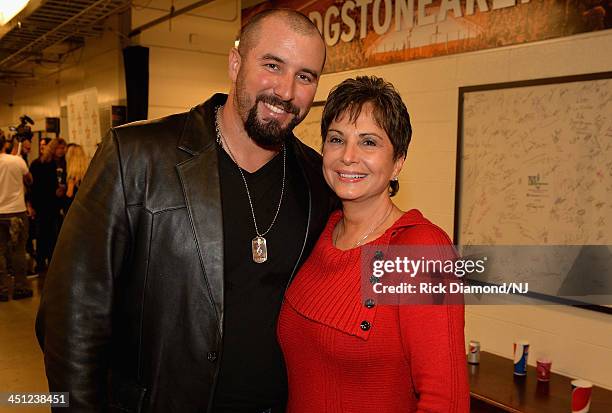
<point x="76" y="164"/>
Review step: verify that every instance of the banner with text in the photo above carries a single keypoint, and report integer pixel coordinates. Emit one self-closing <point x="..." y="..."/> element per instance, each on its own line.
<point x="364" y="33"/>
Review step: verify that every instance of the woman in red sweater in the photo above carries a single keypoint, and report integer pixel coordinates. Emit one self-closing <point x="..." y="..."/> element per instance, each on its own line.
<point x="346" y="352"/>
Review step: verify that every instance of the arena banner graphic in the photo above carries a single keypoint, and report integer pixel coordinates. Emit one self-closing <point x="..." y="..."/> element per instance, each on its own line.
<point x="363" y="33"/>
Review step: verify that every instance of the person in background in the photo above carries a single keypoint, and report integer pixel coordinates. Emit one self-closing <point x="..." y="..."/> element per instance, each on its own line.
<point x="76" y="166"/>
<point x="33" y="223"/>
<point x="26" y="147"/>
<point x="375" y="357"/>
<point x="47" y="194"/>
<point x="6" y="143"/>
<point x="22" y="148"/>
<point x="13" y="225"/>
<point x="41" y="146"/>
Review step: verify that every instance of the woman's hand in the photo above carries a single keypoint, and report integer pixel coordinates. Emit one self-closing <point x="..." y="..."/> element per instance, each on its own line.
<point x="71" y="185"/>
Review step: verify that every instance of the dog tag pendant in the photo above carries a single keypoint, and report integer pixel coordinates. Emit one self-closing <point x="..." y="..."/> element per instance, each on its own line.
<point x="259" y="249"/>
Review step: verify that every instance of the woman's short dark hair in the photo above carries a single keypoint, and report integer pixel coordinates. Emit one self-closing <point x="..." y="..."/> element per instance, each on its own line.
<point x="348" y="98"/>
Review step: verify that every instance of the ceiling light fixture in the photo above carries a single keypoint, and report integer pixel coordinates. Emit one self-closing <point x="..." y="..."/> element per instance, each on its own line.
<point x="9" y="9"/>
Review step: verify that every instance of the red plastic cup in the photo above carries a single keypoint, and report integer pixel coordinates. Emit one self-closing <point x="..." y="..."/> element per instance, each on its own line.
<point x="581" y="395"/>
<point x="543" y="369"/>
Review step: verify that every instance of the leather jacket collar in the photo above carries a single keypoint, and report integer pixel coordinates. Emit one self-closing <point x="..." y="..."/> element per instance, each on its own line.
<point x="199" y="176"/>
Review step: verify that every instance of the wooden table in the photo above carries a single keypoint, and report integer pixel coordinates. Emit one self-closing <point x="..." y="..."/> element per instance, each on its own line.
<point x="494" y="389"/>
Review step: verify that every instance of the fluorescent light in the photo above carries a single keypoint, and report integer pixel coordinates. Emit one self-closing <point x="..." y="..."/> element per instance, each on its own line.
<point x="9" y="9"/>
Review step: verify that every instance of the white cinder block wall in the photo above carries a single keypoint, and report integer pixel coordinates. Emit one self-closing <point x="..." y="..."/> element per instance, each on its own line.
<point x="578" y="341"/>
<point x="187" y="55"/>
<point x="187" y="63"/>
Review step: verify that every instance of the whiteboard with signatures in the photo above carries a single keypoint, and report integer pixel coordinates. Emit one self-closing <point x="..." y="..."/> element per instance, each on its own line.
<point x="535" y="163"/>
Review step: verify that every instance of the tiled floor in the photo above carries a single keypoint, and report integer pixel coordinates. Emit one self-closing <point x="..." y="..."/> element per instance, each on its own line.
<point x="21" y="361"/>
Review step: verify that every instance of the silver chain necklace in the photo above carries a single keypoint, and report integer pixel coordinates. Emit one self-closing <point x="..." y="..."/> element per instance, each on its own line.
<point x="367" y="234"/>
<point x="259" y="246"/>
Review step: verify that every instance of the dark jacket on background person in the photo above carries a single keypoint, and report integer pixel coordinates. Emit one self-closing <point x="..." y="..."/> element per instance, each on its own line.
<point x="131" y="317"/>
<point x="47" y="176"/>
<point x="46" y="179"/>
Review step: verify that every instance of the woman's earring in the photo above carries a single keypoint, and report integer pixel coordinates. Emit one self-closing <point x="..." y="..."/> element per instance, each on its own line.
<point x="395" y="178"/>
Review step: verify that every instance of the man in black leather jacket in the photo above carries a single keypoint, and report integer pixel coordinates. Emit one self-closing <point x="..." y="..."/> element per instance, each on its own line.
<point x="155" y="300"/>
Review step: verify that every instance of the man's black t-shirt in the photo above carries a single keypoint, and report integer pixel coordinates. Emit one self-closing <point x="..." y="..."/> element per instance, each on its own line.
<point x="252" y="374"/>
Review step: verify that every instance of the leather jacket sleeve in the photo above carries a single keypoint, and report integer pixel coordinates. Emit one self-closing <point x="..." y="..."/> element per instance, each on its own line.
<point x="73" y="325"/>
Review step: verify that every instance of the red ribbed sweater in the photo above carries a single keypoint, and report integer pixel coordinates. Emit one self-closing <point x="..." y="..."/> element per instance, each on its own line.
<point x="411" y="359"/>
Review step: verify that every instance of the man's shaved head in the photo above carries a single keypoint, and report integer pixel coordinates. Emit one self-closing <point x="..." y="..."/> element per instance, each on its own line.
<point x="249" y="35"/>
<point x="275" y="71"/>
